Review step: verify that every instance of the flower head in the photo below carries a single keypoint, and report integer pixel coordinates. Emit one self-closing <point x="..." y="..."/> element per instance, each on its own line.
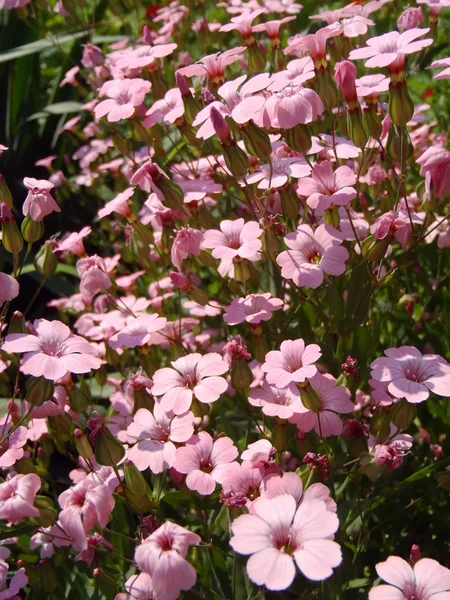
<point x="326" y="187"/>
<point x="17" y="497"/>
<point x="254" y="308"/>
<point x="292" y="363"/>
<point x="39" y="202"/>
<point x="124" y="95"/>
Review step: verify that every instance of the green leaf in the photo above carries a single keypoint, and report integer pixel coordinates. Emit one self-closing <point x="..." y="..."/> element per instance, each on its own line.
<point x="58" y="108"/>
<point x="25" y="530"/>
<point x="40" y="45"/>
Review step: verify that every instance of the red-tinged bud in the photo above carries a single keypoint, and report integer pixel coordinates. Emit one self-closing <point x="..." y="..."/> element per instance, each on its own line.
<point x="415" y="554"/>
<point x="17" y="323"/>
<point x="39" y="390"/>
<point x="319" y="463"/>
<point x="97" y="572"/>
<point x="401" y="107"/>
<point x="345" y="76"/>
<point x="11" y="238"/>
<point x="350" y="368"/>
<point x="220" y="126"/>
<point x="181" y="282"/>
<point x="238" y="356"/>
<point x="182" y="85"/>
<point x="82" y="444"/>
<point x="5" y="194"/>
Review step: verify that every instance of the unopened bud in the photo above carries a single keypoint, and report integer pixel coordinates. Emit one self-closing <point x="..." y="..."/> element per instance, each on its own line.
<point x="220" y="126"/>
<point x="46" y="261"/>
<point x="310" y="399"/>
<point x="134" y="478"/>
<point x="256" y="59"/>
<point x="32" y="231"/>
<point x="356" y="128"/>
<point x="236" y="160"/>
<point x="401" y="107"/>
<point x="403" y="414"/>
<point x="39" y="390"/>
<point x="398" y="145"/>
<point x="298" y="138"/>
<point x="415" y="554"/>
<point x="290" y="203"/>
<point x="5" y="193"/>
<point x="82" y="444"/>
<point x="11" y="238"/>
<point x="372" y="122"/>
<point x="257" y="141"/>
<point x="17" y="323"/>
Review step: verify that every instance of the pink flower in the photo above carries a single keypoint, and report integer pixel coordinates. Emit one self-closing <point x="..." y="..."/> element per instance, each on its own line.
<point x="282" y="403"/>
<point x="155" y="434"/>
<point x="192" y="375"/>
<point x="53" y="351"/>
<point x="277" y="533"/>
<point x="124" y="95"/>
<point x="242" y="484"/>
<point x="315" y="43"/>
<point x="18" y="581"/>
<point x="326" y="187"/>
<point x="93" y="276"/>
<point x="94" y="541"/>
<point x="372" y="85"/>
<point x="389" y="49"/>
<point x="435" y="166"/>
<point x="291" y="106"/>
<point x="427" y="580"/>
<point x="272" y="28"/>
<point x="276" y="174"/>
<point x="412" y="375"/>
<point x="72" y="242"/>
<point x="437" y="64"/>
<point x="291" y="483"/>
<point x="11" y="450"/>
<point x="120" y="205"/>
<point x="163" y="556"/>
<point x="235" y="239"/>
<point x="205" y="462"/>
<point x="83" y="506"/>
<point x="138" y="332"/>
<point x="311" y="254"/>
<point x="260" y="453"/>
<point x="292" y="363"/>
<point x="243" y="23"/>
<point x="394" y="224"/>
<point x="213" y="65"/>
<point x="17" y="497"/>
<point x="9" y="288"/>
<point x="254" y="308"/>
<point x="333" y="399"/>
<point x="169" y="109"/>
<point x="139" y="587"/>
<point x="39" y="202"/>
<point x="187" y="243"/>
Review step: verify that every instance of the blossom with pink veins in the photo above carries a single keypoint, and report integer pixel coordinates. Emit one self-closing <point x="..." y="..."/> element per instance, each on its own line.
<point x="242" y="484"/>
<point x="93" y="275"/>
<point x="296" y="73"/>
<point x="9" y="288"/>
<point x="435" y="166"/>
<point x="138" y="331"/>
<point x="372" y="85"/>
<point x="72" y="242"/>
<point x="390" y="48"/>
<point x="311" y="254"/>
<point x="235" y="239"/>
<point x="439" y="63"/>
<point x="291" y="106"/>
<point x="154" y="436"/>
<point x="326" y="187"/>
<point x="314" y="43"/>
<point x="205" y="461"/>
<point x="18" y="581"/>
<point x="17" y="497"/>
<point x="333" y="399"/>
<point x="426" y="580"/>
<point x="168" y="109"/>
<point x="292" y="363"/>
<point x="260" y="453"/>
<point x="397" y="224"/>
<point x="124" y="95"/>
<point x="53" y="351"/>
<point x="187" y="242"/>
<point x="272" y="28"/>
<point x="39" y="202"/>
<point x="411" y="375"/>
<point x="213" y="65"/>
<point x="291" y="483"/>
<point x="254" y="308"/>
<point x="277" y="533"/>
<point x="343" y="147"/>
<point x="243" y="102"/>
<point x="162" y="555"/>
<point x="83" y="506"/>
<point x="243" y="23"/>
<point x="275" y="402"/>
<point x="11" y="450"/>
<point x="276" y="174"/>
<point x="192" y="376"/>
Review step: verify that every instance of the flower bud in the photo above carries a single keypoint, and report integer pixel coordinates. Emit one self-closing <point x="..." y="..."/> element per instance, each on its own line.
<point x="290" y="203"/>
<point x="326" y="88"/>
<point x="45" y="506"/>
<point x="107" y="449"/>
<point x="120" y="143"/>
<point x="410" y="19"/>
<point x="38" y="390"/>
<point x="80" y="398"/>
<point x="17" y="323"/>
<point x="32" y="231"/>
<point x="237" y="356"/>
<point x="309" y="398"/>
<point x="241" y="269"/>
<point x="298" y="138"/>
<point x="331" y="217"/>
<point x="11" y="239"/>
<point x="356" y="129"/>
<point x="46" y="261"/>
<point x="5" y="194"/>
<point x="82" y="444"/>
<point x="403" y="414"/>
<point x="181" y="282"/>
<point x="398" y="144"/>
<point x="256" y="59"/>
<point x="236" y="160"/>
<point x="220" y="126"/>
<point x="257" y="141"/>
<point x="345" y="76"/>
<point x="415" y="554"/>
<point x="48" y="577"/>
<point x="280" y="434"/>
<point x="401" y="107"/>
<point x="134" y="478"/>
<point x="372" y="121"/>
<point x="61" y="425"/>
<point x="159" y="84"/>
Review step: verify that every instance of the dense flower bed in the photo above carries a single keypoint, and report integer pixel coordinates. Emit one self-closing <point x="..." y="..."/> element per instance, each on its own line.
<point x="246" y="394"/>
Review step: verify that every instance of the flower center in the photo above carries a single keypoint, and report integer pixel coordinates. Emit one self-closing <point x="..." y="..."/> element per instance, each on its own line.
<point x="314" y="257"/>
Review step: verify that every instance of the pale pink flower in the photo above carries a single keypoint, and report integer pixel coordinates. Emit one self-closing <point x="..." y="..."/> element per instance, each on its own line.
<point x="17" y="497"/>
<point x="18" y="581"/>
<point x="276" y="174"/>
<point x="291" y="106"/>
<point x="39" y="202"/>
<point x="372" y="85"/>
<point x="296" y="73"/>
<point x="139" y="331"/>
<point x="120" y="205"/>
<point x="426" y="580"/>
<point x="254" y="308"/>
<point x="395" y="224"/>
<point x="259" y="454"/>
<point x="333" y="399"/>
<point x="326" y="187"/>
<point x="89" y="554"/>
<point x="93" y="275"/>
<point x="311" y="254"/>
<point x="139" y="587"/>
<point x="187" y="242"/>
<point x="11" y="450"/>
<point x="292" y="363"/>
<point x="205" y="462"/>
<point x="275" y="402"/>
<point x="435" y="166"/>
<point x="235" y="239"/>
<point x="83" y="506"/>
<point x="92" y="56"/>
<point x="437" y="64"/>
<point x="435" y="6"/>
<point x="277" y="533"/>
<point x="72" y="242"/>
<point x="163" y="556"/>
<point x="9" y="288"/>
<point x="143" y="56"/>
<point x="53" y="351"/>
<point x="213" y="65"/>
<point x="124" y="95"/>
<point x="340" y="146"/>
<point x="272" y="28"/>
<point x="412" y="375"/>
<point x="169" y="109"/>
<point x="154" y="436"/>
<point x="314" y="43"/>
<point x="191" y="375"/>
<point x="242" y="484"/>
<point x="243" y="23"/>
<point x="390" y="48"/>
<point x="70" y="77"/>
